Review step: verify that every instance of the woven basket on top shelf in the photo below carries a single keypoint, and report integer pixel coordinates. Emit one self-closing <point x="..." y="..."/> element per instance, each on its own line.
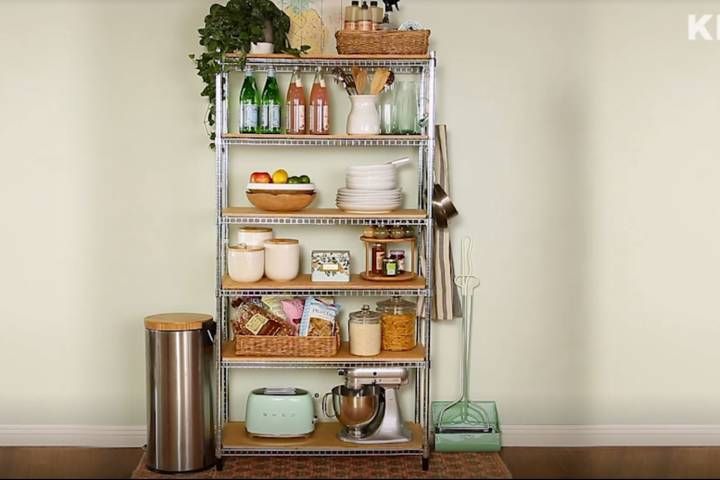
<point x="395" y="42"/>
<point x="269" y="346"/>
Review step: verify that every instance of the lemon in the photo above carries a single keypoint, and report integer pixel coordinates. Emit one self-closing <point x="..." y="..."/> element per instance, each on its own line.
<point x="280" y="176"/>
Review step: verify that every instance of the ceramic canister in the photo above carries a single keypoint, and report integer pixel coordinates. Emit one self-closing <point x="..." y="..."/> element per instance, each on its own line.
<point x="282" y="259"/>
<point x="254" y="236"/>
<point x="246" y="263"/>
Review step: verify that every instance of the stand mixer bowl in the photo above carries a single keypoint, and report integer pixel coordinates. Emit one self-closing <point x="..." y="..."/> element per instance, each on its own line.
<point x="355" y="408"/>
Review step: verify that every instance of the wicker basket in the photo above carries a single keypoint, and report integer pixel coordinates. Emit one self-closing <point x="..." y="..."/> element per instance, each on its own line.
<point x="268" y="346"/>
<point x="395" y="42"/>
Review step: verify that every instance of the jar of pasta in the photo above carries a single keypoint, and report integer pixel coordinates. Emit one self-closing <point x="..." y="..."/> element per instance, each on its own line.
<point x="398" y="319"/>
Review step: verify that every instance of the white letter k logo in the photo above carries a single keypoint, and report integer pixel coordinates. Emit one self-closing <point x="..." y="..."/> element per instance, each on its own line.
<point x="696" y="27"/>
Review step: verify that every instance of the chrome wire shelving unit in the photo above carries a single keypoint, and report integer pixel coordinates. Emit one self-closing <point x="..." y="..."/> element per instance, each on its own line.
<point x="231" y="438"/>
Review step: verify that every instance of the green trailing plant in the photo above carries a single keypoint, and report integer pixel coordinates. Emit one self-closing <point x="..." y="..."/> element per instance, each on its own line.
<point x="232" y="28"/>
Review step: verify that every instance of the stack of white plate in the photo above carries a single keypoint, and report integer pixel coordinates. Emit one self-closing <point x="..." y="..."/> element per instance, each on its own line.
<point x="370" y="189"/>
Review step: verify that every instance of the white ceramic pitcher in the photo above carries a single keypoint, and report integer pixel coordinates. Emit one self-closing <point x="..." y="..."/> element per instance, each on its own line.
<point x="364" y="118"/>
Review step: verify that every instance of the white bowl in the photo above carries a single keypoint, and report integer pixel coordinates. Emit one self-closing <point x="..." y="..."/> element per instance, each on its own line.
<point x="374" y="186"/>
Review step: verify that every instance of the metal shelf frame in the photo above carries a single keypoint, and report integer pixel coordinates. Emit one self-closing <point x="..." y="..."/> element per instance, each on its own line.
<point x="425" y="67"/>
<point x="315" y="141"/>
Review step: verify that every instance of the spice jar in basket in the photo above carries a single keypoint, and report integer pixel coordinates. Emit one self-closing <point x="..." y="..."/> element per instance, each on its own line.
<point x="398" y="318"/>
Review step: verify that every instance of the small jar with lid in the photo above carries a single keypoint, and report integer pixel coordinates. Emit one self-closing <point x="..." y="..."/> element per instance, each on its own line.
<point x="382" y="232"/>
<point x="369" y="231"/>
<point x="365" y="332"/>
<point x="397" y="232"/>
<point x="398" y="319"/>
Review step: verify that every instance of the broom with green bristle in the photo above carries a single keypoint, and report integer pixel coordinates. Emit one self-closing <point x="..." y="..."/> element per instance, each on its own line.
<point x="464" y="425"/>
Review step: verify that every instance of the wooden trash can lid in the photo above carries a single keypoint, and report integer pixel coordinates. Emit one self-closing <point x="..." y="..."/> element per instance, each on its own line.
<point x="177" y="322"/>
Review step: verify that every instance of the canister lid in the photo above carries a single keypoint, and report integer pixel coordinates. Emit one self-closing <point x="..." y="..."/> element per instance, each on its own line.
<point x="255" y="229"/>
<point x="396" y="305"/>
<point x="177" y="322"/>
<point x="365" y="316"/>
<point x="243" y="247"/>
<point x="281" y="241"/>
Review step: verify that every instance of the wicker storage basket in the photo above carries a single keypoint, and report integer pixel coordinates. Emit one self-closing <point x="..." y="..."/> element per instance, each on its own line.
<point x="395" y="42"/>
<point x="267" y="346"/>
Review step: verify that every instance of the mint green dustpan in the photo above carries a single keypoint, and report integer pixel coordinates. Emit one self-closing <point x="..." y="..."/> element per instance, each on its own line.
<point x="464" y="425"/>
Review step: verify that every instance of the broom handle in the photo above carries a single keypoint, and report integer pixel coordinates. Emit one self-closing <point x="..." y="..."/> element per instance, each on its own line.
<point x="467" y="311"/>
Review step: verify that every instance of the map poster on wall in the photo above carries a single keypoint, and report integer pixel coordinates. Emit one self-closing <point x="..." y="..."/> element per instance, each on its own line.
<point x="313" y="22"/>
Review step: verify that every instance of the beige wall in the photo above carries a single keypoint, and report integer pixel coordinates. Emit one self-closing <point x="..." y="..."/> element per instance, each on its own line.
<point x="584" y="162"/>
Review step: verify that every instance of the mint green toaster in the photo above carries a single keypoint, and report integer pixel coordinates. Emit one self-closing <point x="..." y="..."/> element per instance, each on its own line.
<point x="280" y="412"/>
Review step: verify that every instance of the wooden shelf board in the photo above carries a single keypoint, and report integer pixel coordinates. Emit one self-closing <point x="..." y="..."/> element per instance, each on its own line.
<point x="283" y="56"/>
<point x="324" y="438"/>
<point x="405" y="213"/>
<point x="417" y="354"/>
<point x="343" y="136"/>
<point x="388" y="240"/>
<point x="304" y="282"/>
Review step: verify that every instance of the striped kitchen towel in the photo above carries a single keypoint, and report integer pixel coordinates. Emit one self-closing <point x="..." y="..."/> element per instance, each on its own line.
<point x="446" y="305"/>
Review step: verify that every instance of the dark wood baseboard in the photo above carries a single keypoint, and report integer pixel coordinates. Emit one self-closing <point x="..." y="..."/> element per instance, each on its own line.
<point x="602" y="462"/>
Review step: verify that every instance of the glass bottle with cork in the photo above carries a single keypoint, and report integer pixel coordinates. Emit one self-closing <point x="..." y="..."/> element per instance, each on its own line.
<point x="249" y="103"/>
<point x="270" y="105"/>
<point x="295" y="105"/>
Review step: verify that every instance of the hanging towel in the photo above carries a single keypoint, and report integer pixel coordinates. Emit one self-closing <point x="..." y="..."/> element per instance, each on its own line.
<point x="446" y="305"/>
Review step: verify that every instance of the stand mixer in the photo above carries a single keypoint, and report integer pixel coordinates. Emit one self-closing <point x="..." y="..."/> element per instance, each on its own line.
<point x="367" y="405"/>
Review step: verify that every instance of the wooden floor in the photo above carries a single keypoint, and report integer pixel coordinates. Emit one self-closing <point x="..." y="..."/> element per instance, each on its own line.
<point x="610" y="462"/>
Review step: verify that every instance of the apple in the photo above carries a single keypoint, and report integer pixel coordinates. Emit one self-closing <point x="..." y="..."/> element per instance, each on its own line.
<point x="260" y="177"/>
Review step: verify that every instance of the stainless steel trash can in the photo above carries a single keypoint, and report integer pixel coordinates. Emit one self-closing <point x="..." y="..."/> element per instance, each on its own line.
<point x="180" y="380"/>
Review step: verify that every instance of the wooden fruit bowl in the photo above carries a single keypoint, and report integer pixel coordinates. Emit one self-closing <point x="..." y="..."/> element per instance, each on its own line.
<point x="280" y="202"/>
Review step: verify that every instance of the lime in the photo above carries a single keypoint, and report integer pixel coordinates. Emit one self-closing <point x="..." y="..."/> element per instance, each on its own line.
<point x="293" y="180"/>
<point x="304" y="179"/>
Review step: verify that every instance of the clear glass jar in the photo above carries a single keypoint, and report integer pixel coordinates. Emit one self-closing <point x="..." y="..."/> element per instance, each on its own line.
<point x="398" y="318"/>
<point x="382" y="232"/>
<point x="397" y="232"/>
<point x="365" y="332"/>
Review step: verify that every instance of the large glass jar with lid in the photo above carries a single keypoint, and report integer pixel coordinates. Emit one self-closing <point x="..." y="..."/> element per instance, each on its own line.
<point x="365" y="337"/>
<point x="398" y="318"/>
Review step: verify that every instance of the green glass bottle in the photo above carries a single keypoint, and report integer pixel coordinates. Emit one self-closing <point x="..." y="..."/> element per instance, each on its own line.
<point x="270" y="105"/>
<point x="249" y="104"/>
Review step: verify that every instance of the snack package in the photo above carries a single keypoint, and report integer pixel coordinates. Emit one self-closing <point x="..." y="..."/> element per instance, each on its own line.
<point x="237" y="302"/>
<point x="273" y="303"/>
<point x="318" y="319"/>
<point x="293" y="310"/>
<point x="254" y="320"/>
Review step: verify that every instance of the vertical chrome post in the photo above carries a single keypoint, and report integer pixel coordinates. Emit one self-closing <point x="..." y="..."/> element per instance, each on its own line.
<point x="429" y="238"/>
<point x="219" y="205"/>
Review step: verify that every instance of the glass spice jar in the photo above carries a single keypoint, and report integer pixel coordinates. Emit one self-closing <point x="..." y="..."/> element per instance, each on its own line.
<point x="390" y="266"/>
<point x="382" y="232"/>
<point x="377" y="253"/>
<point x="397" y="232"/>
<point x="398" y="319"/>
<point x="398" y="255"/>
<point x="369" y="231"/>
<point x="409" y="231"/>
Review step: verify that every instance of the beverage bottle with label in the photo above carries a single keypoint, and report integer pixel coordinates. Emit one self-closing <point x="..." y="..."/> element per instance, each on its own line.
<point x="319" y="109"/>
<point x="249" y="102"/>
<point x="270" y="105"/>
<point x="295" y="111"/>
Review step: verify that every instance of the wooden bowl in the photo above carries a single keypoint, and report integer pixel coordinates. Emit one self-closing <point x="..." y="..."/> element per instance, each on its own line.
<point x="281" y="202"/>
